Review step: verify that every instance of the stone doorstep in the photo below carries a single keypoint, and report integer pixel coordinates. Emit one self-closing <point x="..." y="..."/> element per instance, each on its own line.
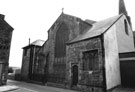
<point x="7" y="88"/>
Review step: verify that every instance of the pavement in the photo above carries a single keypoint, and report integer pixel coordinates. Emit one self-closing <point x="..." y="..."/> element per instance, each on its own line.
<point x="6" y="88"/>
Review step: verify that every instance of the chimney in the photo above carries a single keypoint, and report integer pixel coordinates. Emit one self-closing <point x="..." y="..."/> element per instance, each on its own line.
<point x="2" y="16"/>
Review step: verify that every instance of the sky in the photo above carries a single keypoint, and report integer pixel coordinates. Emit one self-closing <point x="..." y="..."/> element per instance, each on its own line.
<point x="32" y="18"/>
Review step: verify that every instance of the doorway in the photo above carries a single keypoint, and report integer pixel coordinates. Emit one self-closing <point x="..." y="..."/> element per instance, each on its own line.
<point x="127" y="73"/>
<point x="74" y="75"/>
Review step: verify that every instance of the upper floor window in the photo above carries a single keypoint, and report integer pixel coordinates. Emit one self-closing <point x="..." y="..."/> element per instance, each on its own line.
<point x="126" y="27"/>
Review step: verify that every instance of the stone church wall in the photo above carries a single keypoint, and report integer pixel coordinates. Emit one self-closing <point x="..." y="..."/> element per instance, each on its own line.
<point x="57" y="65"/>
<point x="86" y="81"/>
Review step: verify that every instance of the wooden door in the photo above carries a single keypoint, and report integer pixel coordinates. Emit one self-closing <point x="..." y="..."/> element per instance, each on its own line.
<point x="74" y="75"/>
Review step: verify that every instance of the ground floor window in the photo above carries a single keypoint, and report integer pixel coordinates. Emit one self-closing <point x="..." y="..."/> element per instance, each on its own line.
<point x="90" y="60"/>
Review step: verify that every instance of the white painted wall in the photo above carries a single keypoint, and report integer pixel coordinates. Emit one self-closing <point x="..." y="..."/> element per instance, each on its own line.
<point x="125" y="42"/>
<point x="112" y="66"/>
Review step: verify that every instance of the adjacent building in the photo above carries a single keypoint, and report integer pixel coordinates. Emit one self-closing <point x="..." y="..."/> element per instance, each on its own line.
<point x="28" y="65"/>
<point x="5" y="42"/>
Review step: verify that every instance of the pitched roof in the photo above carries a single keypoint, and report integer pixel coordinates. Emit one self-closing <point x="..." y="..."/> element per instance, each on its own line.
<point x="97" y="29"/>
<point x="36" y="43"/>
<point x="4" y="24"/>
<point x="90" y="21"/>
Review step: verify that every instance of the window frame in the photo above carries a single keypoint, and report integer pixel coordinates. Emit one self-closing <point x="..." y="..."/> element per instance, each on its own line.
<point x="93" y="68"/>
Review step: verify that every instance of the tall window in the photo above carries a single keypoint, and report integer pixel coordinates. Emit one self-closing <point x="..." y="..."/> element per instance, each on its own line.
<point x="60" y="41"/>
<point x="90" y="60"/>
<point x="126" y="27"/>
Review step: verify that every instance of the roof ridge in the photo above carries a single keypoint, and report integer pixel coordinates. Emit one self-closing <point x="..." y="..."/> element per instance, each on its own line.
<point x="98" y="28"/>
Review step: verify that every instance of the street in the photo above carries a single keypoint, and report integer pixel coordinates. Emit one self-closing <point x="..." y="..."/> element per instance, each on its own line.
<point x="29" y="87"/>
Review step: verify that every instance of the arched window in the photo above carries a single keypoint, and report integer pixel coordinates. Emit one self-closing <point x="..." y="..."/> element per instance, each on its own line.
<point x="62" y="36"/>
<point x="126" y="27"/>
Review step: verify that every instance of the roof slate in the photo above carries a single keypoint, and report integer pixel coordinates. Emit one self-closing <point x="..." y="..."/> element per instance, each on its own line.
<point x="97" y="29"/>
<point x="38" y="42"/>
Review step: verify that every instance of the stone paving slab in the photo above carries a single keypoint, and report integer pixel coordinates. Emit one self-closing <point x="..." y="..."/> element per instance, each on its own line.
<point x="6" y="88"/>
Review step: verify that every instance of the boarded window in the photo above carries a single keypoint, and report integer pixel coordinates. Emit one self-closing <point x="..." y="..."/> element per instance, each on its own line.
<point x="126" y="27"/>
<point x="60" y="41"/>
<point x="90" y="60"/>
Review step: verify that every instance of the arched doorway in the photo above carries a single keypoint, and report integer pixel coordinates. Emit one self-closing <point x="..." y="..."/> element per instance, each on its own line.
<point x="74" y="75"/>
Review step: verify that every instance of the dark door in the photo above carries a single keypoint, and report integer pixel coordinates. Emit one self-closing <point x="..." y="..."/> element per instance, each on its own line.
<point x="127" y="69"/>
<point x="74" y="75"/>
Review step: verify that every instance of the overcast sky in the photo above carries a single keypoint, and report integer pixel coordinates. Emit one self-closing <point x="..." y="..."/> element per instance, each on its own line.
<point x="33" y="18"/>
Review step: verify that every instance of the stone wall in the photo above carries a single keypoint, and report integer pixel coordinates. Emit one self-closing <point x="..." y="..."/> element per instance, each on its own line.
<point x="88" y="82"/>
<point x="5" y="42"/>
<point x="25" y="64"/>
<point x="29" y="55"/>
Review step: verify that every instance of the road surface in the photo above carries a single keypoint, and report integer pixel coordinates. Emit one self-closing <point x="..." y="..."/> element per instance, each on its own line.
<point x="29" y="87"/>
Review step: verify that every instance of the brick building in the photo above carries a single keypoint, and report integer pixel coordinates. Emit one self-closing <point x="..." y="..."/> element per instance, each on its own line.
<point x="5" y="42"/>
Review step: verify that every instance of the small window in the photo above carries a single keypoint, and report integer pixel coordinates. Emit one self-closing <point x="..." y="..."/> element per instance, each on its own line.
<point x="90" y="60"/>
<point x="126" y="27"/>
<point x="25" y="52"/>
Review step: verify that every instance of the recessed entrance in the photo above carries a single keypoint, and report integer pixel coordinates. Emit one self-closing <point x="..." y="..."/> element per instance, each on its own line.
<point x="74" y="75"/>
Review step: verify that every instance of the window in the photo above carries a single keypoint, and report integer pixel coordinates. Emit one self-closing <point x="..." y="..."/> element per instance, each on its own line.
<point x="60" y="41"/>
<point x="25" y="52"/>
<point x="126" y="27"/>
<point x="90" y="60"/>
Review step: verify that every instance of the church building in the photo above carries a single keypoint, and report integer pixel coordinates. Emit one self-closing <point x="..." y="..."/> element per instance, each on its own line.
<point x="87" y="55"/>
<point x="65" y="28"/>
